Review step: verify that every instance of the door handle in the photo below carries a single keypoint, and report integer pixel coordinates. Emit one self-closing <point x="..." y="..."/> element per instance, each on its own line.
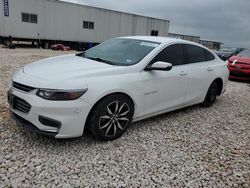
<point x="209" y="69"/>
<point x="183" y="73"/>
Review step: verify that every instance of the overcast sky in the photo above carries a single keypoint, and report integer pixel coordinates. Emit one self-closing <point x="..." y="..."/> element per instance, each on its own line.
<point x="227" y="21"/>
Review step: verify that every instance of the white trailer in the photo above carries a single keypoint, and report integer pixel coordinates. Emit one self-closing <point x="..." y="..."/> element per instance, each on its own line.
<point x="53" y="20"/>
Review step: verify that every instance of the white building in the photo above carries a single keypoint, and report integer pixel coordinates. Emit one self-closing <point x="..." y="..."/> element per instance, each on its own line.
<point x="185" y="37"/>
<point x="53" y="20"/>
<point x="214" y="45"/>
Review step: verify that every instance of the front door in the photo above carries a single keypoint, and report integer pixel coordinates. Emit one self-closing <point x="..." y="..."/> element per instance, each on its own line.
<point x="164" y="90"/>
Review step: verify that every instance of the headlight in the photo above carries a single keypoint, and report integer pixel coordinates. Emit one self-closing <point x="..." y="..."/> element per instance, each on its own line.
<point x="60" y="95"/>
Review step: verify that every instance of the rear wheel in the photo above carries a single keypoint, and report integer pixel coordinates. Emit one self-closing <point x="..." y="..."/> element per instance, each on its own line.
<point x="111" y="117"/>
<point x="211" y="95"/>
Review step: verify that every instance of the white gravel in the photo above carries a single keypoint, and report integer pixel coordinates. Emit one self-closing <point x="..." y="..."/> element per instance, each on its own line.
<point x="194" y="147"/>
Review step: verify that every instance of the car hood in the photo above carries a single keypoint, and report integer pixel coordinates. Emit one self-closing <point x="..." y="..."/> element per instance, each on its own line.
<point x="245" y="60"/>
<point x="63" y="66"/>
<point x="66" y="69"/>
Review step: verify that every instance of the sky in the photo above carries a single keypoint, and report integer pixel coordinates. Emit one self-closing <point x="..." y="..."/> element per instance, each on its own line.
<point x="227" y="21"/>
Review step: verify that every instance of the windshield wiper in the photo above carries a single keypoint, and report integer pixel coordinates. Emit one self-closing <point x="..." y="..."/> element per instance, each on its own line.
<point x="82" y="54"/>
<point x="100" y="60"/>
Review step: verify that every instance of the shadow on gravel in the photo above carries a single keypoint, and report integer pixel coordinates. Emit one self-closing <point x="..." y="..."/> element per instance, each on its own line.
<point x="165" y="116"/>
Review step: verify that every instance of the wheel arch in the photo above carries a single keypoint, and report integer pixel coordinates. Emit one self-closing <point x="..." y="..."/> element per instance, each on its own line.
<point x="219" y="81"/>
<point x="101" y="98"/>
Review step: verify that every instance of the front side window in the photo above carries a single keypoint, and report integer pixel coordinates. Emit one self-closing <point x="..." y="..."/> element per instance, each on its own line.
<point x="121" y="51"/>
<point x="195" y="54"/>
<point x="209" y="56"/>
<point x="173" y="54"/>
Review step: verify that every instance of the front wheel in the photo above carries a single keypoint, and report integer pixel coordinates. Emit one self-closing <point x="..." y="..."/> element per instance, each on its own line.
<point x="211" y="95"/>
<point x="111" y="117"/>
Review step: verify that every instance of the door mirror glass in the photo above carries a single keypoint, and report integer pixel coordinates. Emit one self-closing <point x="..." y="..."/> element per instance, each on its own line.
<point x="161" y="66"/>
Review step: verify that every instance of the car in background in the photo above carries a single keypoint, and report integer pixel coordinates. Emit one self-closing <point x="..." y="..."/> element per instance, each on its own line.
<point x="120" y="81"/>
<point x="60" y="47"/>
<point x="239" y="66"/>
<point x="226" y="52"/>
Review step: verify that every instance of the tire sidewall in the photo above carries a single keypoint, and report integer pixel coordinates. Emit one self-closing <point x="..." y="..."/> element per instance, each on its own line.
<point x="208" y="102"/>
<point x="100" y="110"/>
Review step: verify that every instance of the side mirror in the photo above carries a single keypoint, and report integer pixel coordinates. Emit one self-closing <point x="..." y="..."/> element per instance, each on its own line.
<point x="159" y="65"/>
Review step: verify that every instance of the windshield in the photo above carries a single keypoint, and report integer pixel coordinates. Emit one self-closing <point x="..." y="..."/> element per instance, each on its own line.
<point x="120" y="51"/>
<point x="228" y="49"/>
<point x="245" y="53"/>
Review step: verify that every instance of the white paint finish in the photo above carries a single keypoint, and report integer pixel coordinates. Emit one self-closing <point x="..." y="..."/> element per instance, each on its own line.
<point x="153" y="92"/>
<point x="64" y="21"/>
<point x="170" y="87"/>
<point x="75" y="111"/>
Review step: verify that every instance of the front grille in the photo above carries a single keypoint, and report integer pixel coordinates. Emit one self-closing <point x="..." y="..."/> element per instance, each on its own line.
<point x="21" y="105"/>
<point x="240" y="64"/>
<point x="22" y="87"/>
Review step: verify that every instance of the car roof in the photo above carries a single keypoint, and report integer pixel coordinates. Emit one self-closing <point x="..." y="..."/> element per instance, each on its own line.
<point x="165" y="40"/>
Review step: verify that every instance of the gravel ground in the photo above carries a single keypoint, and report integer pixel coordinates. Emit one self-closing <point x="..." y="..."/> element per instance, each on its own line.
<point x="193" y="147"/>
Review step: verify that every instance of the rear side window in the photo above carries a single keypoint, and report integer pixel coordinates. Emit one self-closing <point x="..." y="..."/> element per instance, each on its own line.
<point x="173" y="54"/>
<point x="209" y="56"/>
<point x="195" y="54"/>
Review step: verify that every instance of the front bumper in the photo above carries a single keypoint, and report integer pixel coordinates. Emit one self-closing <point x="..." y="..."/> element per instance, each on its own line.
<point x="70" y="116"/>
<point x="241" y="74"/>
<point x="29" y="126"/>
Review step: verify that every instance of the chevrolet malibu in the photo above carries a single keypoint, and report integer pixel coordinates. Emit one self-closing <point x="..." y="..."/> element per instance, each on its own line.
<point x="107" y="87"/>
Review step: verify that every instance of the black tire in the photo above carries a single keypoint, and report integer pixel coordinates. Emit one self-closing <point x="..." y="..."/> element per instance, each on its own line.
<point x="211" y="95"/>
<point x="111" y="117"/>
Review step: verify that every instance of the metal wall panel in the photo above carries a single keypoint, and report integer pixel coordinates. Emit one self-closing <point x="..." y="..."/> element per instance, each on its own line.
<point x="64" y="21"/>
<point x="1" y="18"/>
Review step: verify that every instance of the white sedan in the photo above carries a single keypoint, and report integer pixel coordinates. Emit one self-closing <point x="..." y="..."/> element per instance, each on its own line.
<point x="113" y="84"/>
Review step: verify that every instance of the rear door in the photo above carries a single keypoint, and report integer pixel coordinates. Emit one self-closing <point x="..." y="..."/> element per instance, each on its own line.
<point x="200" y="73"/>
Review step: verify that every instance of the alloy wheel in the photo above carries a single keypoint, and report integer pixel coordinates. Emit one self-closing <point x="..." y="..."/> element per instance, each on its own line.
<point x="116" y="118"/>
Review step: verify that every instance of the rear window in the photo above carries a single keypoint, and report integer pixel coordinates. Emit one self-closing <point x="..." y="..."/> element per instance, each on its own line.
<point x="209" y="56"/>
<point x="196" y="54"/>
